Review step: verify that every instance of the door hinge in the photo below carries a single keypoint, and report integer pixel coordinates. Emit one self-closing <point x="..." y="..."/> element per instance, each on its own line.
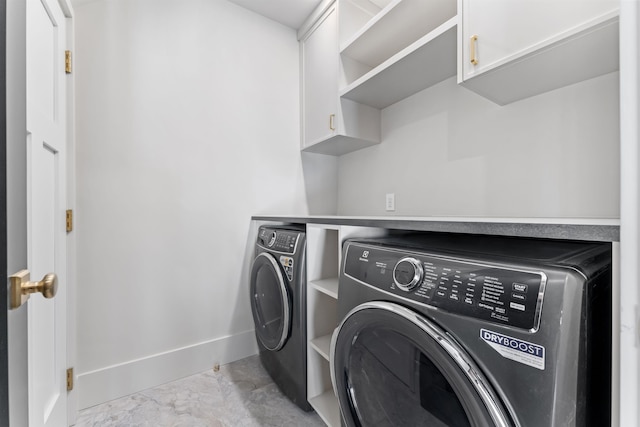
<point x="67" y="61"/>
<point x="69" y="379"/>
<point x="69" y="220"/>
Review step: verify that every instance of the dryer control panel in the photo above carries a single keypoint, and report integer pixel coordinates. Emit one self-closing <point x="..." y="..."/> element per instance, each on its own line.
<point x="279" y="240"/>
<point x="502" y="295"/>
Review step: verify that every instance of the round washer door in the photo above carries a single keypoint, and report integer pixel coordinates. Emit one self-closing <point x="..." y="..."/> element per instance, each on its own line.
<point x="270" y="302"/>
<point x="393" y="367"/>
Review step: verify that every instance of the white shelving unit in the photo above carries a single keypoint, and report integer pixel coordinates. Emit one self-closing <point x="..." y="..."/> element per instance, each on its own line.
<point x="324" y="253"/>
<point x="323" y="261"/>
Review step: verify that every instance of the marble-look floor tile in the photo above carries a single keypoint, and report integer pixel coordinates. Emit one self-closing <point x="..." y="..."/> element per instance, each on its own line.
<point x="240" y="394"/>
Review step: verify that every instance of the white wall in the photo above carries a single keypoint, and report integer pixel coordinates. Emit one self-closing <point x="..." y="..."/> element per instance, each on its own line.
<point x="187" y="124"/>
<point x="447" y="151"/>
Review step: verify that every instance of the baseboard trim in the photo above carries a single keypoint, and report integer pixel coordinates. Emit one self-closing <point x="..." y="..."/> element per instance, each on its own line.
<point x="112" y="382"/>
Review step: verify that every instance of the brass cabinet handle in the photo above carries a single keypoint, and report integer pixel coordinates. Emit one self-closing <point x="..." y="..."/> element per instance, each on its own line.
<point x="472" y="48"/>
<point x="331" y="120"/>
<point x="21" y="287"/>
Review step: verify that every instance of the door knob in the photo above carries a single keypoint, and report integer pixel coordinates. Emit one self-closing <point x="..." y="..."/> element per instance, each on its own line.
<point x="21" y="287"/>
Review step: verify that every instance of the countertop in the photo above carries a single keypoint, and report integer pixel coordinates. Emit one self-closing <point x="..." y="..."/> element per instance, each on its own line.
<point x="588" y="229"/>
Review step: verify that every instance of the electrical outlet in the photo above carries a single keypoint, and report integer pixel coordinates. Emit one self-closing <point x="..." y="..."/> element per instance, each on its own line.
<point x="390" y="202"/>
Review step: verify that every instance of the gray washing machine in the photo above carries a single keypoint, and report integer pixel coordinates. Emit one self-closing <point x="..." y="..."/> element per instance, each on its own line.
<point x="458" y="330"/>
<point x="278" y="304"/>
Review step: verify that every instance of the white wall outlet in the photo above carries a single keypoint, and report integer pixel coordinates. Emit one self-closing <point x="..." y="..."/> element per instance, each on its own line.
<point x="390" y="202"/>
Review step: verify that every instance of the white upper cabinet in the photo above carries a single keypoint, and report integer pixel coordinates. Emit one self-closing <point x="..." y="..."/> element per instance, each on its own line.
<point x="320" y="83"/>
<point x="361" y="56"/>
<point x="510" y="50"/>
<point x="331" y="125"/>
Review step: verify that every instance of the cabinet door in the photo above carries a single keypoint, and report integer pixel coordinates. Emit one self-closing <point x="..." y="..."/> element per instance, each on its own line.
<point x="508" y="29"/>
<point x="320" y="79"/>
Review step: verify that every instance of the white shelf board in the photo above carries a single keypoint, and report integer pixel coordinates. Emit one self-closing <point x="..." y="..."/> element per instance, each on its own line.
<point x="326" y="405"/>
<point x="426" y="62"/>
<point x="326" y="286"/>
<point x="399" y="24"/>
<point x="322" y="345"/>
<point x="338" y="145"/>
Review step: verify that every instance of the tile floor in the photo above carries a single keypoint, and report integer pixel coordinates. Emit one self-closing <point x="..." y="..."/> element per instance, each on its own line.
<point x="239" y="394"/>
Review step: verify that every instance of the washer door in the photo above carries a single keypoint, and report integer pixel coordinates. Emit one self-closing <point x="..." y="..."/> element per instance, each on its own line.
<point x="270" y="302"/>
<point x="393" y="367"/>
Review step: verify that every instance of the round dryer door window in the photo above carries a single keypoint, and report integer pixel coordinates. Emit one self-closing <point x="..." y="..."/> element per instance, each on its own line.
<point x="270" y="302"/>
<point x="393" y="367"/>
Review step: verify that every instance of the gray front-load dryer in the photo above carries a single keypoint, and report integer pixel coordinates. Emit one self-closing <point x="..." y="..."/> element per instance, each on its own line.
<point x="458" y="330"/>
<point x="278" y="304"/>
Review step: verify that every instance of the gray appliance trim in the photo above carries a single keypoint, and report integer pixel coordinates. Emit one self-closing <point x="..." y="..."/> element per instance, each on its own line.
<point x="285" y="296"/>
<point x="448" y="344"/>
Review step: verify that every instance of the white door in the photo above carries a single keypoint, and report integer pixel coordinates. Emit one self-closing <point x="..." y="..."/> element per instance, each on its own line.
<point x="46" y="204"/>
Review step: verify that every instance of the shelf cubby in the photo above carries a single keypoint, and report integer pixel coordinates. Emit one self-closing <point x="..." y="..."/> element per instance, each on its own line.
<point x="320" y="391"/>
<point x="395" y="27"/>
<point x="326" y="405"/>
<point x="426" y="62"/>
<point x="326" y="286"/>
<point x="322" y="345"/>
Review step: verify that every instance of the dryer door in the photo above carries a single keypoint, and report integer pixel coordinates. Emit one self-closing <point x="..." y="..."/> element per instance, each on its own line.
<point x="393" y="367"/>
<point x="270" y="302"/>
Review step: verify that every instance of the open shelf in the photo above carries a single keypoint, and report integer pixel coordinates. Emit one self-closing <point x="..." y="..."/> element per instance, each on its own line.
<point x="326" y="286"/>
<point x="338" y="145"/>
<point x="424" y="63"/>
<point x="322" y="345"/>
<point x="355" y="14"/>
<point x="406" y="20"/>
<point x="326" y="405"/>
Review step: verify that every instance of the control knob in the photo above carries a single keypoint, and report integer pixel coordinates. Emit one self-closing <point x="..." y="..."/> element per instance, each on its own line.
<point x="272" y="240"/>
<point x="408" y="273"/>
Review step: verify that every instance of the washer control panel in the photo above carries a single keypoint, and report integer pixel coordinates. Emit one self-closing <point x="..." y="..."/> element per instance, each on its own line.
<point x="507" y="296"/>
<point x="285" y="241"/>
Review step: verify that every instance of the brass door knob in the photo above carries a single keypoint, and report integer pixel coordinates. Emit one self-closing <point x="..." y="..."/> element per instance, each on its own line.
<point x="21" y="287"/>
